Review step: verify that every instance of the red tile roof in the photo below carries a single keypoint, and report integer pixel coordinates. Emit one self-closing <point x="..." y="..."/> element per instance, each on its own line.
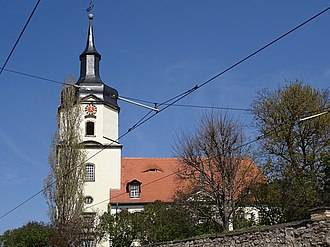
<point x="157" y="177"/>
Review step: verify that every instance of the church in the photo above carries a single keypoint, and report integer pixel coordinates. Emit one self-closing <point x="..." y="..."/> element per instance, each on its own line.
<point x="112" y="182"/>
<point x="108" y="174"/>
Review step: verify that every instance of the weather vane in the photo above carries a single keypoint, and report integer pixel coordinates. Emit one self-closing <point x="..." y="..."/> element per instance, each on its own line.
<point x="90" y="7"/>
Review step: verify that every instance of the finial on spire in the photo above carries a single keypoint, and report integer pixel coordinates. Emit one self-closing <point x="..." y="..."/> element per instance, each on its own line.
<point x="90" y="46"/>
<point x="90" y="8"/>
<point x="89" y="81"/>
<point x="90" y="58"/>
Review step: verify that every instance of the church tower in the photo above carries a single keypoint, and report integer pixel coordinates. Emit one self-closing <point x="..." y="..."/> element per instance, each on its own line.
<point x="99" y="124"/>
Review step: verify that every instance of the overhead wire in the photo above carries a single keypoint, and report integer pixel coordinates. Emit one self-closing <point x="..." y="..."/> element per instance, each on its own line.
<point x="258" y="138"/>
<point x="171" y="101"/>
<point x="33" y="76"/>
<point x="19" y="36"/>
<point x="192" y="106"/>
<point x="142" y="186"/>
<point x="198" y="86"/>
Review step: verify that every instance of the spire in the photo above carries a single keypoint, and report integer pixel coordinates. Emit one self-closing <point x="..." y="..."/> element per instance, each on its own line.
<point x="90" y="59"/>
<point x="89" y="82"/>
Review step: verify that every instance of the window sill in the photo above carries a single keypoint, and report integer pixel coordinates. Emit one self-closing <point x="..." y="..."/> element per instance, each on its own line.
<point x="135" y="198"/>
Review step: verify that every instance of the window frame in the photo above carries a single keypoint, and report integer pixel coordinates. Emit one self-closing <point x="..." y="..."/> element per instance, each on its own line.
<point x="134" y="190"/>
<point x="87" y="128"/>
<point x="89" y="176"/>
<point x="88" y="200"/>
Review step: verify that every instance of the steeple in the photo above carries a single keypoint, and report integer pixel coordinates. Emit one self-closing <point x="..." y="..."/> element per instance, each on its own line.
<point x="89" y="82"/>
<point x="90" y="59"/>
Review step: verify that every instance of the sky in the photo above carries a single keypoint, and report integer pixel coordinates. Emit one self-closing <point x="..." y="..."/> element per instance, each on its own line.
<point x="151" y="50"/>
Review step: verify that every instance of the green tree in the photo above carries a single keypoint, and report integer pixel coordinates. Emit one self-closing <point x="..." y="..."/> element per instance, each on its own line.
<point x="325" y="183"/>
<point x="158" y="222"/>
<point x="164" y="222"/>
<point x="293" y="149"/>
<point x="33" y="234"/>
<point x="122" y="228"/>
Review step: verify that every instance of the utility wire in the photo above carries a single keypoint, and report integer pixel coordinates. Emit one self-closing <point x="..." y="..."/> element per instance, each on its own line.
<point x="196" y="87"/>
<point x="170" y="102"/>
<point x="213" y="107"/>
<point x="182" y="95"/>
<point x="142" y="186"/>
<point x="35" y="77"/>
<point x="192" y="106"/>
<point x="258" y="138"/>
<point x="19" y="37"/>
<point x="53" y="182"/>
<point x="131" y="98"/>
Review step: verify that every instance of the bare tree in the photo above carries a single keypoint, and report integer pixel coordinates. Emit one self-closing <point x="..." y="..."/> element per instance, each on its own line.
<point x="64" y="184"/>
<point x="216" y="168"/>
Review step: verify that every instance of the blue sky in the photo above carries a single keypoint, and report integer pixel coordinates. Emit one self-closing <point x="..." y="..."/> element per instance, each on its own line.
<point x="150" y="50"/>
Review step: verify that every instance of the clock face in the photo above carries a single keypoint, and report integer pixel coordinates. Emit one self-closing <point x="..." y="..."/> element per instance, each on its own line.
<point x="90" y="109"/>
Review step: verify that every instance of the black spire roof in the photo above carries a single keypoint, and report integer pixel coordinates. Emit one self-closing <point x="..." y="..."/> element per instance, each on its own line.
<point x="90" y="82"/>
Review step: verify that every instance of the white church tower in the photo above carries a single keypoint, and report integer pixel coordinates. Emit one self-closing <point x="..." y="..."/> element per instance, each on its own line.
<point x="99" y="124"/>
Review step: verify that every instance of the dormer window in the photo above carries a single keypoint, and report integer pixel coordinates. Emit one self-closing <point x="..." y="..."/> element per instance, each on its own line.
<point x="90" y="128"/>
<point x="153" y="170"/>
<point x="134" y="189"/>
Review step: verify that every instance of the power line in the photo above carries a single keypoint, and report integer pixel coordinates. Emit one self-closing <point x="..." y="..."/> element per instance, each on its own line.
<point x="19" y="37"/>
<point x="213" y="107"/>
<point x="132" y="98"/>
<point x="196" y="87"/>
<point x="258" y="138"/>
<point x="171" y="101"/>
<point x="193" y="106"/>
<point x="180" y="96"/>
<point x="142" y="186"/>
<point x="35" y="76"/>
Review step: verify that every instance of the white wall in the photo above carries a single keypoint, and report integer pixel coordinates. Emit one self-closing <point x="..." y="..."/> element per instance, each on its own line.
<point x="107" y="161"/>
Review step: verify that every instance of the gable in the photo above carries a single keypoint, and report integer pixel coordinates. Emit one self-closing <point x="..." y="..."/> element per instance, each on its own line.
<point x="90" y="98"/>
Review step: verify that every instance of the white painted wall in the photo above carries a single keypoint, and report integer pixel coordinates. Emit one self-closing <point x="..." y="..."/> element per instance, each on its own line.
<point x="106" y="123"/>
<point x="107" y="175"/>
<point x="107" y="161"/>
<point x="130" y="208"/>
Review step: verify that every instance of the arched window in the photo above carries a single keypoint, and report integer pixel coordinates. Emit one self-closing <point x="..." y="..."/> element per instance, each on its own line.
<point x="134" y="189"/>
<point x="90" y="128"/>
<point x="89" y="172"/>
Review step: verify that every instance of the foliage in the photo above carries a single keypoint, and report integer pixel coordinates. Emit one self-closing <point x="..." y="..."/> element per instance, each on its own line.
<point x="158" y="222"/>
<point x="122" y="228"/>
<point x="293" y="149"/>
<point x="166" y="222"/>
<point x="33" y="234"/>
<point x="64" y="185"/>
<point x="324" y="187"/>
<point x="216" y="167"/>
<point x="241" y="221"/>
